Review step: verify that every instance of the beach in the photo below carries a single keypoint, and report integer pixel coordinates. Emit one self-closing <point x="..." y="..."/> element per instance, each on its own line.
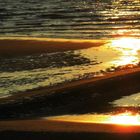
<point x="70" y="69"/>
<point x="69" y="101"/>
<point x="76" y="96"/>
<point x="13" y="46"/>
<point x="66" y="110"/>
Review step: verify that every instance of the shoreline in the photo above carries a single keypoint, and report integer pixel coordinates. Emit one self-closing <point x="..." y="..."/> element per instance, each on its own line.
<point x="14" y="46"/>
<point x="77" y="97"/>
<point x="41" y="125"/>
<point x="68" y="98"/>
<point x="74" y="84"/>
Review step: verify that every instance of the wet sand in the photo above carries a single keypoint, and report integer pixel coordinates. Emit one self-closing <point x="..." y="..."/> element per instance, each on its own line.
<point x="42" y="125"/>
<point x="67" y="136"/>
<point x="78" y="97"/>
<point x="25" y="46"/>
<point x="52" y="130"/>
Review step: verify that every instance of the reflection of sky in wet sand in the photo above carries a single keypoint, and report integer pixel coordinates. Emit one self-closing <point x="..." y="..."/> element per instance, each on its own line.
<point x="126" y="118"/>
<point x="87" y="63"/>
<point x="130" y="50"/>
<point x="132" y="100"/>
<point x="120" y="52"/>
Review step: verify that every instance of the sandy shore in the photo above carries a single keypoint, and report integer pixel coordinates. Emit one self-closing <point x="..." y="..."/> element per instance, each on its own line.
<point x="80" y="84"/>
<point x="83" y="96"/>
<point x="77" y="97"/>
<point x="63" y="126"/>
<point x="24" y="46"/>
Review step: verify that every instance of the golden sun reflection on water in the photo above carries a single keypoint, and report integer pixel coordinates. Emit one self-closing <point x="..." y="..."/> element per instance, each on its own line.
<point x="129" y="49"/>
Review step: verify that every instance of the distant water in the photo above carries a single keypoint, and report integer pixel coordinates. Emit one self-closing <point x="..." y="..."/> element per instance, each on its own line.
<point x="70" y="18"/>
<point x="83" y="19"/>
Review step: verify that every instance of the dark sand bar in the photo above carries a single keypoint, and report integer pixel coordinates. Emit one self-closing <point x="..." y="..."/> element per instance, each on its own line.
<point x="25" y="46"/>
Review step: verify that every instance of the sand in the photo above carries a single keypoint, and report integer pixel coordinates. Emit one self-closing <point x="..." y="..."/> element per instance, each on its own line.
<point x="41" y="125"/>
<point x="26" y="46"/>
<point x="69" y="98"/>
<point x="109" y="78"/>
<point x="77" y="97"/>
